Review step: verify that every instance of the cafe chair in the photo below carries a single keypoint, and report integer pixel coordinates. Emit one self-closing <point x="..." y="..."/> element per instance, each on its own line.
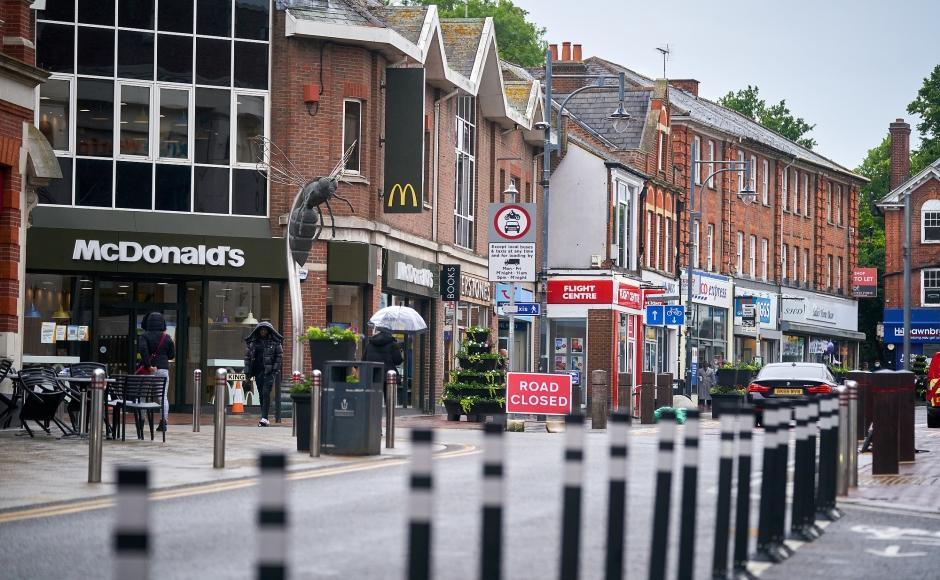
<point x="9" y="401"/>
<point x="42" y="396"/>
<point x="82" y="370"/>
<point x="141" y="394"/>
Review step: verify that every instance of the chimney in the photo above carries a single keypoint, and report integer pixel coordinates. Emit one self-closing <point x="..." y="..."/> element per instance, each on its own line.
<point x="576" y="54"/>
<point x="568" y="72"/>
<point x="900" y="152"/>
<point x="554" y="50"/>
<point x="687" y="85"/>
<point x="566" y="51"/>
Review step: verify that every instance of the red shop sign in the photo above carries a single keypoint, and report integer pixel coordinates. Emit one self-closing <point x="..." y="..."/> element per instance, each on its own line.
<point x="538" y="393"/>
<point x="629" y="296"/>
<point x="580" y="291"/>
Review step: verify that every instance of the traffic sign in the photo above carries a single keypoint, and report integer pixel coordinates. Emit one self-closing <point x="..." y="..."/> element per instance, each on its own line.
<point x="522" y="308"/>
<point x="538" y="393"/>
<point x="674" y="315"/>
<point x="655" y="315"/>
<point x="749" y="317"/>
<point x="512" y="222"/>
<point x="510" y="262"/>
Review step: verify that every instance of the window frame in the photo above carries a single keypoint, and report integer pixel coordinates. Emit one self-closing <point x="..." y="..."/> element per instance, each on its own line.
<point x="739" y="258"/>
<point x="710" y="247"/>
<point x="342" y="151"/>
<point x="931" y="206"/>
<point x="765" y="181"/>
<point x="839" y="274"/>
<point x="829" y="202"/>
<point x="697" y="149"/>
<point x="649" y="238"/>
<point x="462" y="126"/>
<point x="923" y="286"/>
<point x="828" y="271"/>
<point x="622" y="225"/>
<point x="783" y="262"/>
<point x="667" y="245"/>
<point x="752" y="256"/>
<point x="661" y="151"/>
<point x="190" y="129"/>
<point x="711" y="164"/>
<point x="119" y="102"/>
<point x="740" y="159"/>
<point x="764" y="252"/>
<point x="696" y="245"/>
<point x="659" y="238"/>
<point x="73" y="85"/>
<point x="807" y="209"/>
<point x="796" y="264"/>
<point x="805" y="276"/>
<point x="784" y="190"/>
<point x="795" y="198"/>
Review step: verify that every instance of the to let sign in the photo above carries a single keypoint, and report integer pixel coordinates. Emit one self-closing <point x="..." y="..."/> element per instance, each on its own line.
<point x="538" y="394"/>
<point x="864" y="282"/>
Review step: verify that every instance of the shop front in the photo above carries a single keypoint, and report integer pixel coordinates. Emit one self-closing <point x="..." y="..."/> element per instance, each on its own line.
<point x="819" y="328"/>
<point x="712" y="297"/>
<point x="756" y="340"/>
<point x="350" y="276"/>
<point x="87" y="292"/>
<point x="521" y="359"/>
<point x="413" y="282"/>
<point x="925" y="333"/>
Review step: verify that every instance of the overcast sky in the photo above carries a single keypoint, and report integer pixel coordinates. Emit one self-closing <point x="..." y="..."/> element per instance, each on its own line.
<point x="849" y="66"/>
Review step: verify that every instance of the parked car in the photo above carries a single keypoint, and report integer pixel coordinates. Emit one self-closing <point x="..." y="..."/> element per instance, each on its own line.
<point x="933" y="392"/>
<point x="792" y="379"/>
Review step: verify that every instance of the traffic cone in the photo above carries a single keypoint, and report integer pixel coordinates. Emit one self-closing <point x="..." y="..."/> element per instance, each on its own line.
<point x="238" y="401"/>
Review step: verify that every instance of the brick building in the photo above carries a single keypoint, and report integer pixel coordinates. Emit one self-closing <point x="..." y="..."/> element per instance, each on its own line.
<point x="924" y="191"/>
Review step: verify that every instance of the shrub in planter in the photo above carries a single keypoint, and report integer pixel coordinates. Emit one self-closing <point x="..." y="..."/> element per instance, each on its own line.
<point x="300" y="395"/>
<point x="478" y="386"/>
<point x="330" y="343"/>
<point x="477" y="333"/>
<point x="725" y="397"/>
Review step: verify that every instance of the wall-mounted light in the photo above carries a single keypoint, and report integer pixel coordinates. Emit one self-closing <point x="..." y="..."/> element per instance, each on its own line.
<point x="312" y="98"/>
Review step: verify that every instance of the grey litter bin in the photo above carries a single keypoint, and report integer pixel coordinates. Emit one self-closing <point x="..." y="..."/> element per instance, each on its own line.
<point x="351" y="412"/>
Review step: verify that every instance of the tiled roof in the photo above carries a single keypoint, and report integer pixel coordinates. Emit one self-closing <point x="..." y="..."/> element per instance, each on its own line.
<point x="517" y="94"/>
<point x="461" y="40"/>
<point x="406" y="20"/>
<point x="347" y="12"/>
<point x="895" y="196"/>
<point x="592" y="109"/>
<point x="514" y="72"/>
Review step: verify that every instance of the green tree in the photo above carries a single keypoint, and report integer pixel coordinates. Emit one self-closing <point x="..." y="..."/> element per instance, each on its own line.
<point x="927" y="106"/>
<point x="519" y="40"/>
<point x="775" y="117"/>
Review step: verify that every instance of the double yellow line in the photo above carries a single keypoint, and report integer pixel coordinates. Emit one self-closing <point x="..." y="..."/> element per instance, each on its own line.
<point x="106" y="502"/>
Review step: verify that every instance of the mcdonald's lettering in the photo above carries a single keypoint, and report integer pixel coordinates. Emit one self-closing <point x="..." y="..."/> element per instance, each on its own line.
<point x="402" y="196"/>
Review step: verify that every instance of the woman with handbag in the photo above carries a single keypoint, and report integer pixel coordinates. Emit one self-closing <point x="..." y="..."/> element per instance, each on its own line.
<point x="156" y="350"/>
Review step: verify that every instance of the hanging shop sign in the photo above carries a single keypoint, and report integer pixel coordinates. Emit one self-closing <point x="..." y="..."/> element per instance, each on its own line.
<point x="474" y="289"/>
<point x="450" y="282"/>
<point x="629" y="296"/>
<point x="404" y="140"/>
<point x="865" y="282"/>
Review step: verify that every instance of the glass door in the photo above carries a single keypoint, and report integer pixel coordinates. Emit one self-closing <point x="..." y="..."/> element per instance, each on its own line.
<point x="113" y="336"/>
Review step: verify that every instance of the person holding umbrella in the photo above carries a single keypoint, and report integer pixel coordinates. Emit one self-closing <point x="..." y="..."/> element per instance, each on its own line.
<point x="383" y="347"/>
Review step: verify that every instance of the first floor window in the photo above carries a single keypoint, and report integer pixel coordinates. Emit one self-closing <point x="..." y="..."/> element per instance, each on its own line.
<point x="659" y="237"/>
<point x="352" y="129"/>
<point x="805" y="265"/>
<point x="764" y="247"/>
<point x="667" y="245"/>
<point x="829" y="271"/>
<point x="739" y="262"/>
<point x="649" y="239"/>
<point x="752" y="257"/>
<point x="930" y="221"/>
<point x="930" y="282"/>
<point x="622" y="225"/>
<point x="765" y="181"/>
<point x="839" y="273"/>
<point x="696" y="232"/>
<point x="696" y="157"/>
<point x="796" y="255"/>
<point x="783" y="262"/>
<point x="55" y="113"/>
<point x="710" y="248"/>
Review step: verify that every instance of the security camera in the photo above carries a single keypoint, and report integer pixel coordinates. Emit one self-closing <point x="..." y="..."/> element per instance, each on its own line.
<point x="541" y="125"/>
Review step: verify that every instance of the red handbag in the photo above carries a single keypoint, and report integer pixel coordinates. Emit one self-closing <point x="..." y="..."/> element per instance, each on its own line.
<point x="145" y="369"/>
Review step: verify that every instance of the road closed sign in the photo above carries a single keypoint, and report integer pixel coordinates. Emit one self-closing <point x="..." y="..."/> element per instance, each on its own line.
<point x="538" y="394"/>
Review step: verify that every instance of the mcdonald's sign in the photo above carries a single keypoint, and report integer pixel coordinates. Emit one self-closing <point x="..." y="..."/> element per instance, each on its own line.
<point x="404" y="141"/>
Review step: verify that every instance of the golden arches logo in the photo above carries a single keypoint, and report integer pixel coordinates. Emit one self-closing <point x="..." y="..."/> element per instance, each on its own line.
<point x="403" y="195"/>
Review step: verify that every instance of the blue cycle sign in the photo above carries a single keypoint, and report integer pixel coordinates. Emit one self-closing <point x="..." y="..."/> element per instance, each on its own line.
<point x="665" y="315"/>
<point x="674" y="315"/>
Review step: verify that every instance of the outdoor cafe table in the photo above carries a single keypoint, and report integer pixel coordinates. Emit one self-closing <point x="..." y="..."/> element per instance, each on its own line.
<point x="83" y="383"/>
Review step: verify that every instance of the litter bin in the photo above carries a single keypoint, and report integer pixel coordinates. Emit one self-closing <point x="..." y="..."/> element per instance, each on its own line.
<point x="351" y="411"/>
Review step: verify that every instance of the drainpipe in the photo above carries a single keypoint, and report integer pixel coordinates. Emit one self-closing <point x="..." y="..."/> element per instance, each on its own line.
<point x="436" y="157"/>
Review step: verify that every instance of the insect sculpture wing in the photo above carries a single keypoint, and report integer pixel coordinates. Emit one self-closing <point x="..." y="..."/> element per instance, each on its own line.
<point x="273" y="162"/>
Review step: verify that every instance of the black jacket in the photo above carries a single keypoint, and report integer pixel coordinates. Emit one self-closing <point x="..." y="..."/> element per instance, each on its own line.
<point x="149" y="343"/>
<point x="272" y="351"/>
<point x="382" y="347"/>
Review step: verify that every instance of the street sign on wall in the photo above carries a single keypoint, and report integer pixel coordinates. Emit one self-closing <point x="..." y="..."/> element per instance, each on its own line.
<point x="865" y="282"/>
<point x="538" y="393"/>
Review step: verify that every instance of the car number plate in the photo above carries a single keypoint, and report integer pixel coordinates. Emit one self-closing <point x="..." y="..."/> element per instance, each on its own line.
<point x="788" y="391"/>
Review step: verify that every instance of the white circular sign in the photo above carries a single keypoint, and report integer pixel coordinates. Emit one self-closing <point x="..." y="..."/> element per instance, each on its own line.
<point x="512" y="222"/>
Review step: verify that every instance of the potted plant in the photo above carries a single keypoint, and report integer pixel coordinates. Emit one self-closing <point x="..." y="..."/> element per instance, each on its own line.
<point x="331" y="343"/>
<point x="739" y="375"/>
<point x="725" y="397"/>
<point x="477" y="333"/>
<point x="838" y="372"/>
<point x="300" y="395"/>
<point x="478" y="387"/>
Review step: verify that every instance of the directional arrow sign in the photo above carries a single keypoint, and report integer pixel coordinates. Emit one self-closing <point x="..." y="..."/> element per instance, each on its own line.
<point x="894" y="552"/>
<point x="654" y="315"/>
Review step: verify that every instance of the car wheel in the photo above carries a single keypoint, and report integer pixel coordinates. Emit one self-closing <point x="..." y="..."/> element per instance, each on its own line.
<point x="933" y="418"/>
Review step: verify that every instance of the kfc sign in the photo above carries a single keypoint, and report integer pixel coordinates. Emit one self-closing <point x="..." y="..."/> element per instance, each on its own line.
<point x="629" y="296"/>
<point x="580" y="291"/>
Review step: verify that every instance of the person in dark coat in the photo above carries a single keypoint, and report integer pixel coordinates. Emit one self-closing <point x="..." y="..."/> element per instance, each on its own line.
<point x="263" y="356"/>
<point x="156" y="350"/>
<point x="384" y="348"/>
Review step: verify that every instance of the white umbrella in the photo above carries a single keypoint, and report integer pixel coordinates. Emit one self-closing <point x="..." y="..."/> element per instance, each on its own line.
<point x="399" y="319"/>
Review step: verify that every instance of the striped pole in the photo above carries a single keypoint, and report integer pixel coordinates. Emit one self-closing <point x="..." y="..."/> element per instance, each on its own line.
<point x="421" y="504"/>
<point x="783" y="465"/>
<point x="667" y="443"/>
<point x="492" y="544"/>
<point x="766" y="548"/>
<point x="617" y="492"/>
<point x="132" y="524"/>
<point x="829" y="441"/>
<point x="729" y="424"/>
<point x="689" y="496"/>
<point x="272" y="518"/>
<point x="814" y="425"/>
<point x="742" y="512"/>
<point x="800" y="471"/>
<point x="571" y="513"/>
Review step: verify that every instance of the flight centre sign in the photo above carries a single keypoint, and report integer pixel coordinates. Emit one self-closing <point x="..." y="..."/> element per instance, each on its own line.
<point x="404" y="141"/>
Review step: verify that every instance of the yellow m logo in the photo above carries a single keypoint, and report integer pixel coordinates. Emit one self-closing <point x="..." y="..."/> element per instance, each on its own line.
<point x="403" y="195"/>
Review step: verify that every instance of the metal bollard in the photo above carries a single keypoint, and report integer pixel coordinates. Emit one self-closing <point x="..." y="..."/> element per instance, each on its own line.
<point x="295" y="380"/>
<point x="132" y="524"/>
<point x="729" y="426"/>
<point x="802" y="455"/>
<point x="617" y="495"/>
<point x="886" y="439"/>
<point x="783" y="461"/>
<point x="316" y="392"/>
<point x="492" y="528"/>
<point x="689" y="496"/>
<point x="197" y="400"/>
<point x="818" y="429"/>
<point x="571" y="510"/>
<point x="852" y="457"/>
<point x="218" y="451"/>
<point x="664" y="466"/>
<point x="766" y="547"/>
<point x="272" y="517"/>
<point x="742" y="512"/>
<point x="421" y="506"/>
<point x="842" y="475"/>
<point x="599" y="399"/>
<point x="829" y="460"/>
<point x="94" y="434"/>
<point x="391" y="391"/>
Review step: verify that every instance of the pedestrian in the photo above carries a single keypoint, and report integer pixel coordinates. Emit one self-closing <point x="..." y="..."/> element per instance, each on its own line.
<point x="156" y="349"/>
<point x="383" y="347"/>
<point x="263" y="355"/>
<point x="705" y="383"/>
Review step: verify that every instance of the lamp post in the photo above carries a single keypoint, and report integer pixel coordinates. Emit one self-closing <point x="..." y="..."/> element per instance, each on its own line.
<point x="620" y="119"/>
<point x="747" y="195"/>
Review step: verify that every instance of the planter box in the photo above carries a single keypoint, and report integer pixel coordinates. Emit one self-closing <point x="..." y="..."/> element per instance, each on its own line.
<point x="477" y="412"/>
<point x="479" y="366"/>
<point x="483" y="349"/>
<point x="724" y="403"/>
<point x="478" y="336"/>
<point x="302" y="419"/>
<point x="734" y="377"/>
<point x="324" y="350"/>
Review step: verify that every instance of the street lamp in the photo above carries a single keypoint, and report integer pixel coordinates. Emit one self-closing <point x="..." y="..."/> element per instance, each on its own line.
<point x="746" y="195"/>
<point x="620" y="120"/>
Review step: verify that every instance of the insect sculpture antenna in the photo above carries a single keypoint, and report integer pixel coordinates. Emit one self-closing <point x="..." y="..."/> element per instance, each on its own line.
<point x="274" y="164"/>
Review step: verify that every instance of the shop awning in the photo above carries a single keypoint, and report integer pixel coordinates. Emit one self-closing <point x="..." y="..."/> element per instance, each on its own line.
<point x="797" y="328"/>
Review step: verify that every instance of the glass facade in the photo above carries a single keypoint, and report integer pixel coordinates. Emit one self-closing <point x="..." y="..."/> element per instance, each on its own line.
<point x="710" y="333"/>
<point x="152" y="105"/>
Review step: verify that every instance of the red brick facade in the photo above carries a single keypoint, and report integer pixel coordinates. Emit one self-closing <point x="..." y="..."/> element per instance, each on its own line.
<point x="923" y="255"/>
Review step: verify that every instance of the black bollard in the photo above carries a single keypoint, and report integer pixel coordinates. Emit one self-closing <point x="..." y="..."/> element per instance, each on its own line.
<point x="809" y="498"/>
<point x="617" y="492"/>
<point x="492" y="528"/>
<point x="420" y="506"/>
<point x="571" y="515"/>
<point x="729" y="424"/>
<point x="132" y="524"/>
<point x="272" y="518"/>
<point x="766" y="548"/>
<point x="689" y="496"/>
<point x="802" y="457"/>
<point x="782" y="471"/>
<point x="742" y="512"/>
<point x="829" y="461"/>
<point x="664" y="466"/>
